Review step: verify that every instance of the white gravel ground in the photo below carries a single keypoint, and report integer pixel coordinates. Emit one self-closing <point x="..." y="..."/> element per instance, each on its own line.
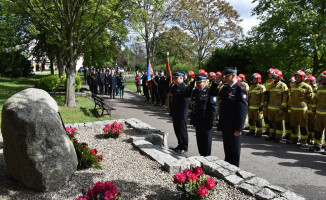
<point x="136" y="176"/>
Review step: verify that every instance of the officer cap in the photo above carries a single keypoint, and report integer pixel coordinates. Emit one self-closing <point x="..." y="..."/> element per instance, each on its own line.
<point x="230" y="70"/>
<point x="178" y="73"/>
<point x="200" y="77"/>
<point x="162" y="70"/>
<point x="156" y="70"/>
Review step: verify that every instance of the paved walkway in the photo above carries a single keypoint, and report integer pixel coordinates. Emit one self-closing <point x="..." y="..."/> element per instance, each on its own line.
<point x="296" y="169"/>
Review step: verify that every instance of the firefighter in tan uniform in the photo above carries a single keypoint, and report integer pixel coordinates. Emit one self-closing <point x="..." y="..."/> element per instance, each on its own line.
<point x="301" y="97"/>
<point x="212" y="78"/>
<point x="244" y="82"/>
<point x="277" y="103"/>
<point x="256" y="95"/>
<point x="320" y="110"/>
<point x="267" y="86"/>
<point x="311" y="80"/>
<point x="287" y="115"/>
<point x="191" y="76"/>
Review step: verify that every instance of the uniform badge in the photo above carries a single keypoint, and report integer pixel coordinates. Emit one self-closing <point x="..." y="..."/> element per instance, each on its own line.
<point x="214" y="99"/>
<point x="244" y="96"/>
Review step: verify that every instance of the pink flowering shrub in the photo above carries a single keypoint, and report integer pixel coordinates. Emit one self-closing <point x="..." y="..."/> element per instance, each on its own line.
<point x="194" y="184"/>
<point x="113" y="130"/>
<point x="102" y="191"/>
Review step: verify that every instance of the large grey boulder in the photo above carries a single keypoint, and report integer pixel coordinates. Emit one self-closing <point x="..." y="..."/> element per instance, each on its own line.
<point x="37" y="151"/>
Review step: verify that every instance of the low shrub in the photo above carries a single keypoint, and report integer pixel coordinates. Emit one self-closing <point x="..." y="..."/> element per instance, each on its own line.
<point x="49" y="83"/>
<point x="78" y="82"/>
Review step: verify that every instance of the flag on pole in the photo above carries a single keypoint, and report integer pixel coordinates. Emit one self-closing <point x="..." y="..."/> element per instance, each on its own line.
<point x="149" y="72"/>
<point x="168" y="70"/>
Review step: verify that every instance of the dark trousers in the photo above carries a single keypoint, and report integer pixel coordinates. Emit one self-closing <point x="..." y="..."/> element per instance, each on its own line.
<point x="94" y="88"/>
<point x="232" y="147"/>
<point x="117" y="90"/>
<point x="100" y="85"/>
<point x="162" y="96"/>
<point x="155" y="95"/>
<point x="145" y="89"/>
<point x="112" y="92"/>
<point x="204" y="139"/>
<point x="180" y="130"/>
<point x="106" y="91"/>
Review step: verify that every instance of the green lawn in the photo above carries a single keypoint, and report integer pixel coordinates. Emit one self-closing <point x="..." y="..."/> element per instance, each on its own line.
<point x="131" y="85"/>
<point x="10" y="86"/>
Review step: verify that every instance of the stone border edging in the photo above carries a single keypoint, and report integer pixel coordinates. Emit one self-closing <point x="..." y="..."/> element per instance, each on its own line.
<point x="78" y="94"/>
<point x="153" y="143"/>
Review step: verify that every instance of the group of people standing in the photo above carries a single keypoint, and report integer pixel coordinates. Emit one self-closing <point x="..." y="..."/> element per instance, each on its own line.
<point x="154" y="88"/>
<point x="299" y="104"/>
<point x="106" y="81"/>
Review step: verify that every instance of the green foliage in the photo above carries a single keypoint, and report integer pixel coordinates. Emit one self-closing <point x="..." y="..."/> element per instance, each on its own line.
<point x="78" y="82"/>
<point x="184" y="68"/>
<point x="14" y="64"/>
<point x="293" y="32"/>
<point x="50" y="83"/>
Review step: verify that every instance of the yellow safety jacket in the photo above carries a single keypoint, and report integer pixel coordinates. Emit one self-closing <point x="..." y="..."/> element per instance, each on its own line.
<point x="268" y="83"/>
<point x="246" y="85"/>
<point x="278" y="96"/>
<point x="256" y="96"/>
<point x="301" y="96"/>
<point x="320" y="100"/>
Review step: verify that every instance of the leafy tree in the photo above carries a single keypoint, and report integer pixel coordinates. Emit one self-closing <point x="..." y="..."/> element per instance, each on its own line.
<point x="211" y="23"/>
<point x="140" y="56"/>
<point x="295" y="30"/>
<point x="178" y="43"/>
<point x="75" y="25"/>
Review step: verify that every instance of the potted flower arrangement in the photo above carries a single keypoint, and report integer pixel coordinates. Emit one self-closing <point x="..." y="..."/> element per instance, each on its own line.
<point x="101" y="191"/>
<point x="113" y="130"/>
<point x="194" y="184"/>
<point x="86" y="156"/>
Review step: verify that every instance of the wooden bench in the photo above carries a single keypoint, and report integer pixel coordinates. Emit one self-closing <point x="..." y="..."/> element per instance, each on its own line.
<point x="100" y="102"/>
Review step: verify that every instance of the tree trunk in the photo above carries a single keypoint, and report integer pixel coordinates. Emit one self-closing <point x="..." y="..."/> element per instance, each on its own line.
<point x="61" y="67"/>
<point x="51" y="67"/>
<point x="71" y="72"/>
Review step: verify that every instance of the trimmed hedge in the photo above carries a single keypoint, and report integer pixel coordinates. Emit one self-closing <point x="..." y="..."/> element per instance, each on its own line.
<point x="49" y="83"/>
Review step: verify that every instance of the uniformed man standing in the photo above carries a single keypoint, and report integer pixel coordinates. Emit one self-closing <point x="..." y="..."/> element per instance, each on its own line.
<point x="112" y="84"/>
<point x="301" y="97"/>
<point x="277" y="105"/>
<point x="267" y="86"/>
<point x="145" y="87"/>
<point x="203" y="114"/>
<point x="233" y="112"/>
<point x="311" y="80"/>
<point x="162" y="87"/>
<point x="179" y="111"/>
<point x="155" y="94"/>
<point x="101" y="80"/>
<point x="320" y="110"/>
<point x="244" y="82"/>
<point x="256" y="105"/>
<point x="93" y="81"/>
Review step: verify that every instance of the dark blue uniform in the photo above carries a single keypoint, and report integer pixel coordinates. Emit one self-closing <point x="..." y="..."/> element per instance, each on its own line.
<point x="145" y="88"/>
<point x="162" y="88"/>
<point x="112" y="85"/>
<point x="202" y="117"/>
<point x="179" y="113"/>
<point x="94" y="82"/>
<point x="233" y="112"/>
<point x="101" y="81"/>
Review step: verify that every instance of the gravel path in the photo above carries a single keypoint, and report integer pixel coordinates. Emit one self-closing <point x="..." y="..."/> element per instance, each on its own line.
<point x="136" y="176"/>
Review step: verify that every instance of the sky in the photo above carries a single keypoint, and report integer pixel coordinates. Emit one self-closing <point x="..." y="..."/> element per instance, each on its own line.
<point x="244" y="8"/>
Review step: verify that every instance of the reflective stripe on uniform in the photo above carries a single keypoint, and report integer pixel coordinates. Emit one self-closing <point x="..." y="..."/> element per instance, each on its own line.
<point x="321" y="111"/>
<point x="321" y="91"/>
<point x="299" y="89"/>
<point x="256" y="91"/>
<point x="299" y="107"/>
<point x="254" y="106"/>
<point x="276" y="90"/>
<point x="272" y="107"/>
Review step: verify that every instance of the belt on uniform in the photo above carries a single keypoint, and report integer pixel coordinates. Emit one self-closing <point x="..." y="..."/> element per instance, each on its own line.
<point x="299" y="107"/>
<point x="321" y="111"/>
<point x="273" y="107"/>
<point x="254" y="106"/>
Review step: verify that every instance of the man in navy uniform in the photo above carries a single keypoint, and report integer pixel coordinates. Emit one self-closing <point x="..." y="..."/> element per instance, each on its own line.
<point x="101" y="81"/>
<point x="162" y="87"/>
<point x="179" y="111"/>
<point x="203" y="114"/>
<point x="234" y="108"/>
<point x="112" y="84"/>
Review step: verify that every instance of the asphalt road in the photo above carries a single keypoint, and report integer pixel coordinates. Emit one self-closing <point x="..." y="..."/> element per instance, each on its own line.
<point x="291" y="167"/>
